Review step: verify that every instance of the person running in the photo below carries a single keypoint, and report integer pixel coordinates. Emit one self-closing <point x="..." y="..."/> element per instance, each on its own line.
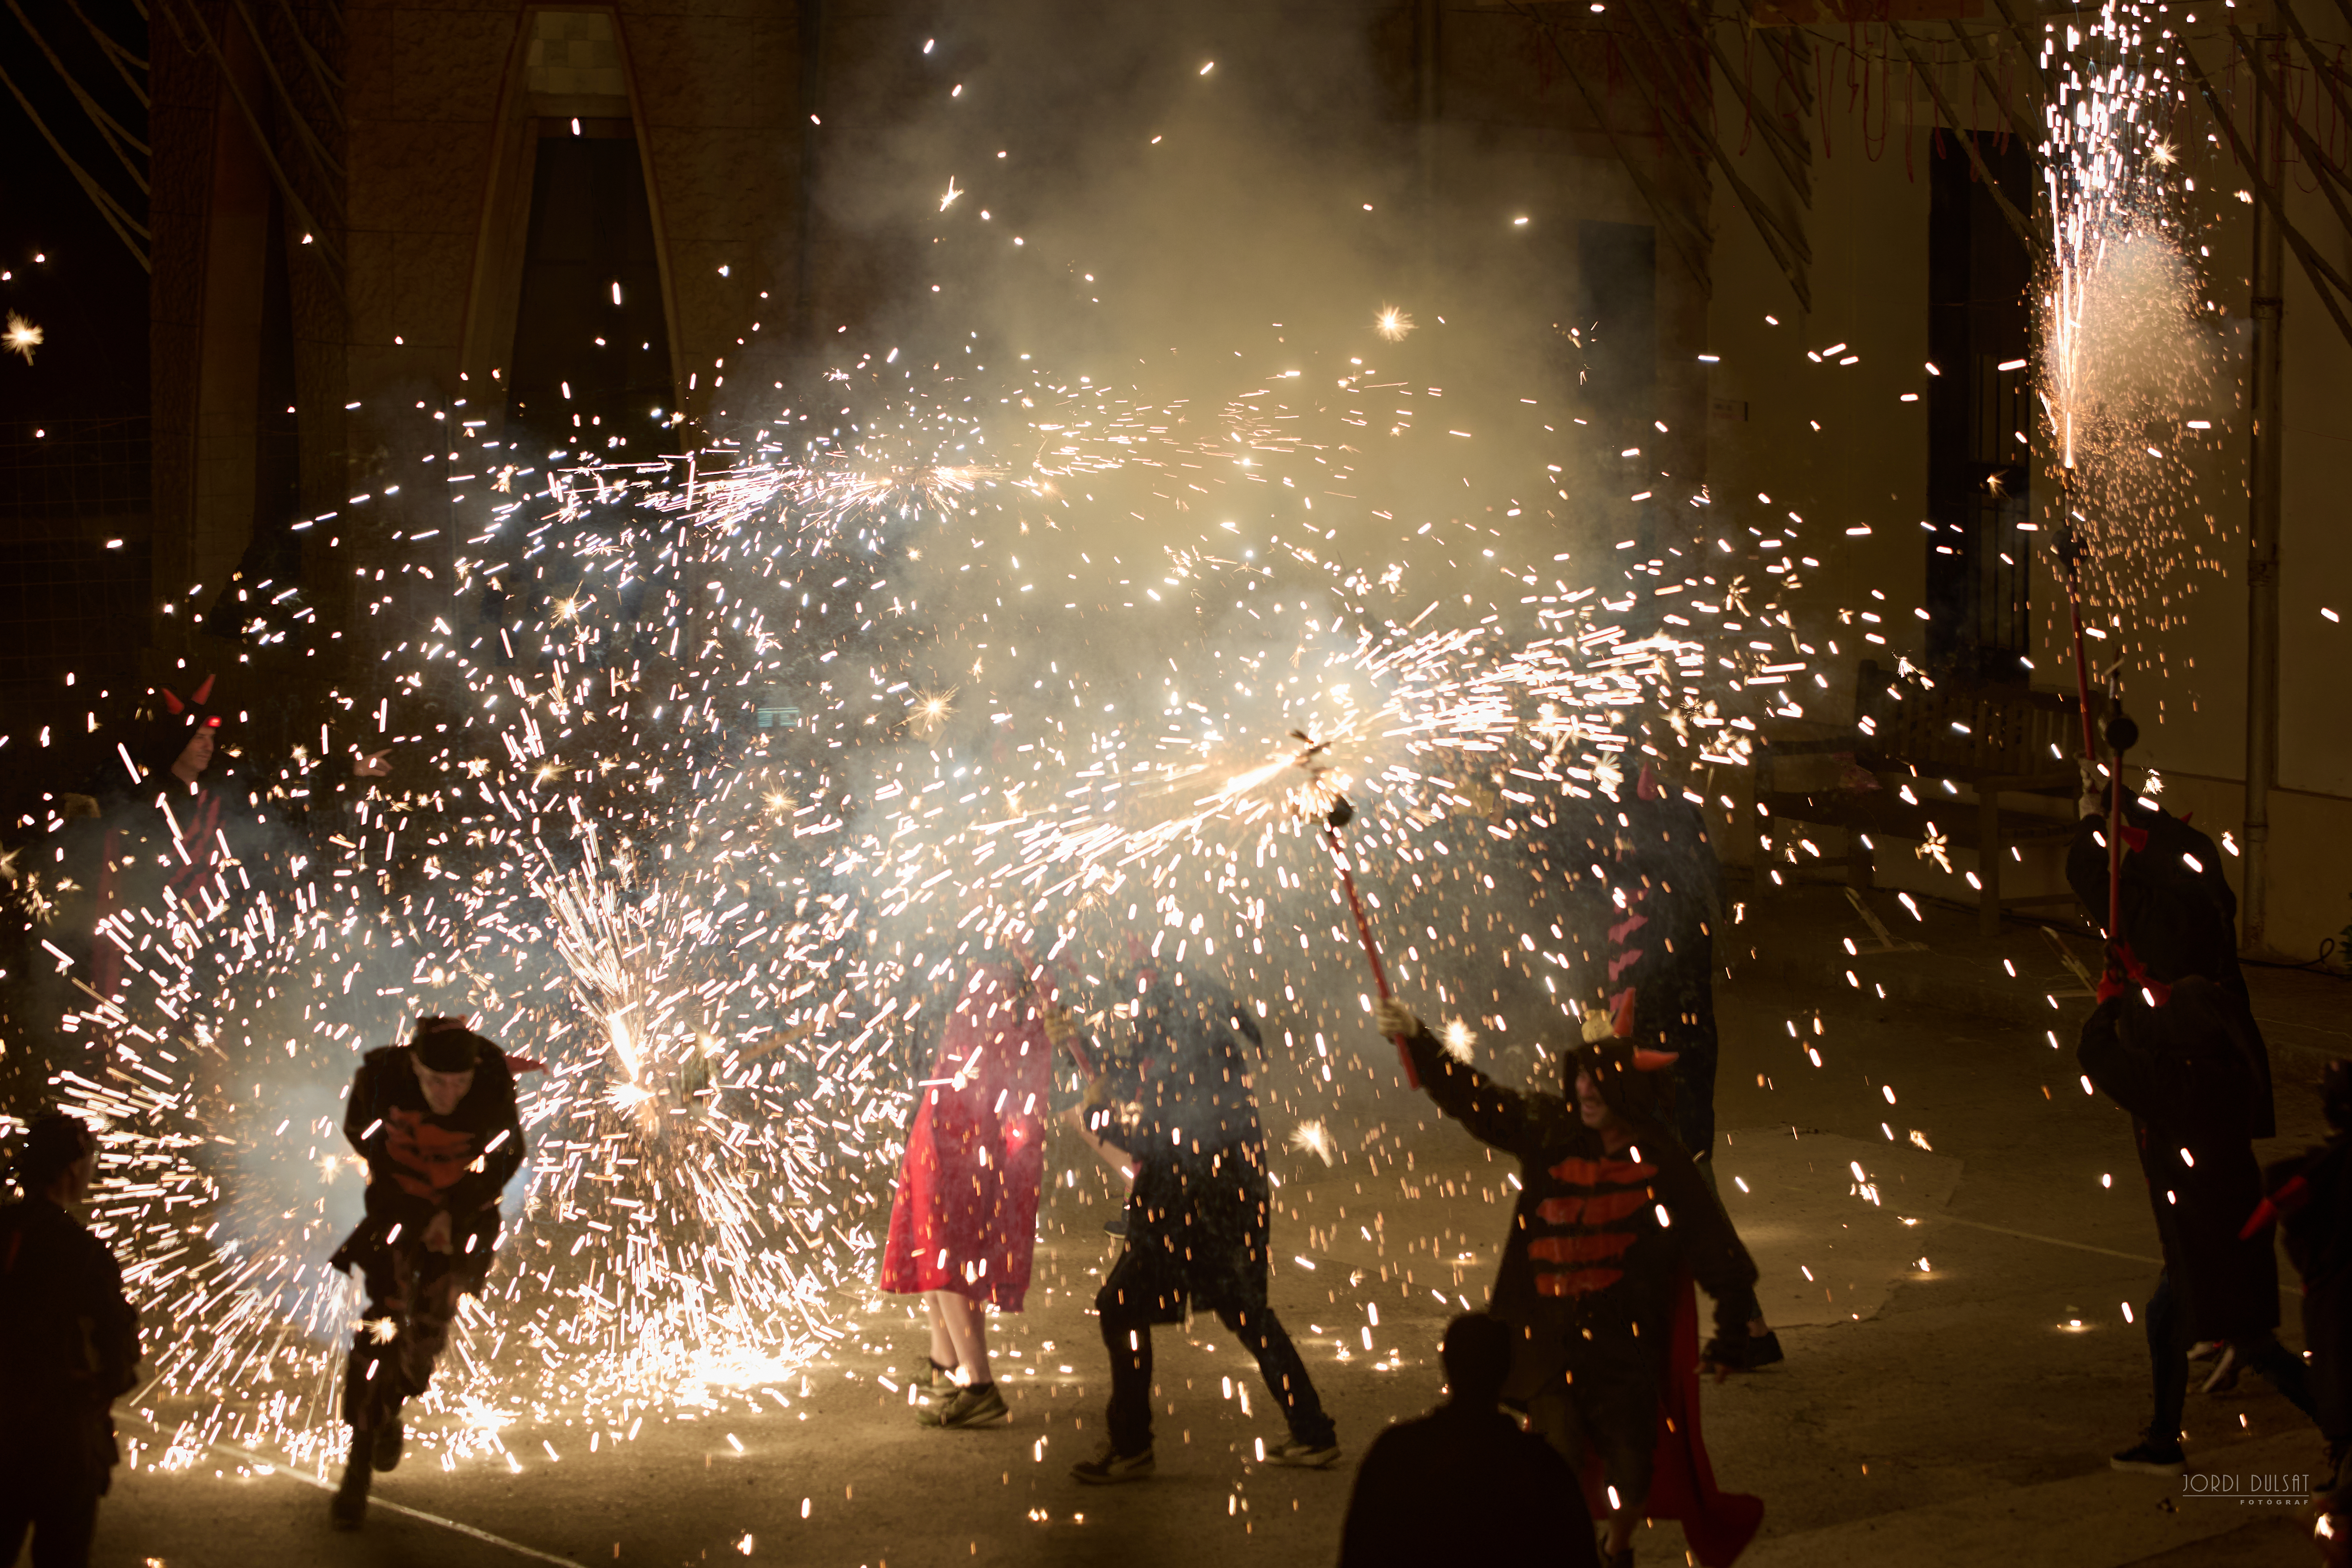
<point x="1614" y="1221"/>
<point x="1175" y="1100"/>
<point x="71" y="1344"/>
<point x="2181" y="1059"/>
<point x="437" y="1121"/>
<point x="1465" y="1483"/>
<point x="963" y="1226"/>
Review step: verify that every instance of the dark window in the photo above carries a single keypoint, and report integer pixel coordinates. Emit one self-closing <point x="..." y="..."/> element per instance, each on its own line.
<point x="591" y="231"/>
<point x="1617" y="264"/>
<point x="1979" y="475"/>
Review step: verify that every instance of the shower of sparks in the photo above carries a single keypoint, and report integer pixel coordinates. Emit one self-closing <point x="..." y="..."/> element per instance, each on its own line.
<point x="2128" y="345"/>
<point x="801" y="729"/>
<point x="1457" y="1037"/>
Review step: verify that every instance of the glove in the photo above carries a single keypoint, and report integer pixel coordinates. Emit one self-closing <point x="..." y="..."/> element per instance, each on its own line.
<point x="1394" y="1019"/>
<point x="2093" y="799"/>
<point x="1058" y="1027"/>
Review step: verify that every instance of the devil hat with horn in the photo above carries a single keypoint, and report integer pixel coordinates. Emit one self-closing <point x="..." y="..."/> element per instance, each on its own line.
<point x="165" y="733"/>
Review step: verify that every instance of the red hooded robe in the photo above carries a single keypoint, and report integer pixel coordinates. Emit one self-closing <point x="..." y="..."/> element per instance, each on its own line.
<point x="965" y="1218"/>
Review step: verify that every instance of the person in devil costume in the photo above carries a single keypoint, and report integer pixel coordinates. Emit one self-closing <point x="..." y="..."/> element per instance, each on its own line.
<point x="1614" y="1224"/>
<point x="2310" y="1200"/>
<point x="2174" y="1042"/>
<point x="1666" y="890"/>
<point x="2182" y="1059"/>
<point x="171" y="835"/>
<point x="1175" y="1099"/>
<point x="437" y="1121"/>
<point x="964" y="1225"/>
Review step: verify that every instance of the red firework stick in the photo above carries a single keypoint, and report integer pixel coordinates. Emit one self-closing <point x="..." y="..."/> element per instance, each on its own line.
<point x="1339" y="816"/>
<point x="1340" y="812"/>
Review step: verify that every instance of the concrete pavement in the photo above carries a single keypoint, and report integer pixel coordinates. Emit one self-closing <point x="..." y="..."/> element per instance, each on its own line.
<point x="1958" y="1363"/>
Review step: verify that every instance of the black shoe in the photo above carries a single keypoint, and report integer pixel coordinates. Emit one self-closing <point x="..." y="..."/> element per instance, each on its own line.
<point x="1111" y="1468"/>
<point x="1300" y="1454"/>
<point x="2148" y="1458"/>
<point x="347" y="1508"/>
<point x="383" y="1451"/>
<point x="1763" y="1350"/>
<point x="1117" y="1227"/>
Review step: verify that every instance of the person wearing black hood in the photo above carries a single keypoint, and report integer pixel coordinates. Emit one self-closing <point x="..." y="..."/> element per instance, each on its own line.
<point x="2174" y="1042"/>
<point x="2310" y="1199"/>
<point x="1174" y="1096"/>
<point x="1666" y="888"/>
<point x="437" y="1121"/>
<point x="71" y="1349"/>
<point x="1613" y="1224"/>
<point x="170" y="836"/>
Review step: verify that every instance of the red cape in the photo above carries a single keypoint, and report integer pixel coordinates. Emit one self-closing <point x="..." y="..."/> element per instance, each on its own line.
<point x="965" y="1218"/>
<point x="1718" y="1525"/>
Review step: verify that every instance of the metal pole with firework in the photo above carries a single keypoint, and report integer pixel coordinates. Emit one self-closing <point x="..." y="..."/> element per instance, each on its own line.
<point x="1336" y="817"/>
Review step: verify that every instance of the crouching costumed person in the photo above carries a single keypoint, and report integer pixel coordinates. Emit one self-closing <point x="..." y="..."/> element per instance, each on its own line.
<point x="436" y="1121"/>
<point x="1612" y="1226"/>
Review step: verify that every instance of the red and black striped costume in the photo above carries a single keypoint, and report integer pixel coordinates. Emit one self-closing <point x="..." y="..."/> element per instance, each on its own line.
<point x="1596" y="1280"/>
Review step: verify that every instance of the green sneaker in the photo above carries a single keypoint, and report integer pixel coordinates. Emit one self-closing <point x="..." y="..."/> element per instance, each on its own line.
<point x="966" y="1407"/>
<point x="1110" y="1466"/>
<point x="929" y="1380"/>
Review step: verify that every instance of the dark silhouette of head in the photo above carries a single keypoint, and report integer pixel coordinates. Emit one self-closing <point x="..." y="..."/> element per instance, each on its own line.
<point x="2336" y="1095"/>
<point x="1477" y="1355"/>
<point x="53" y="1144"/>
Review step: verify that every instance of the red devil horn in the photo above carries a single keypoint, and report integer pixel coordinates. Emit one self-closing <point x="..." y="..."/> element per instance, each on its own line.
<point x="172" y="701"/>
<point x="1624" y="1023"/>
<point x="1647" y="1060"/>
<point x="203" y="692"/>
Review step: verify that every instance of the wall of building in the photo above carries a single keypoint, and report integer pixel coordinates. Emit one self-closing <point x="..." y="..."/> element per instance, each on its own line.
<point x="2182" y="608"/>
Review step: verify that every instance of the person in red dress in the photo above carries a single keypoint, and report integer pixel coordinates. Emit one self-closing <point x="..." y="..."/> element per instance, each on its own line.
<point x="964" y="1223"/>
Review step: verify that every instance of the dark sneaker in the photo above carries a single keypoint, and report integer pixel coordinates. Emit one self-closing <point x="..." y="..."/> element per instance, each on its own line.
<point x="967" y="1407"/>
<point x="1110" y="1466"/>
<point x="2150" y="1459"/>
<point x="383" y="1449"/>
<point x="1746" y="1354"/>
<point x="347" y="1508"/>
<point x="1302" y="1455"/>
<point x="928" y="1380"/>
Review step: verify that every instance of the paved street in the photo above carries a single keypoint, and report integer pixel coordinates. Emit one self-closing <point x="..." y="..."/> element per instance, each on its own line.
<point x="1958" y="1363"/>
